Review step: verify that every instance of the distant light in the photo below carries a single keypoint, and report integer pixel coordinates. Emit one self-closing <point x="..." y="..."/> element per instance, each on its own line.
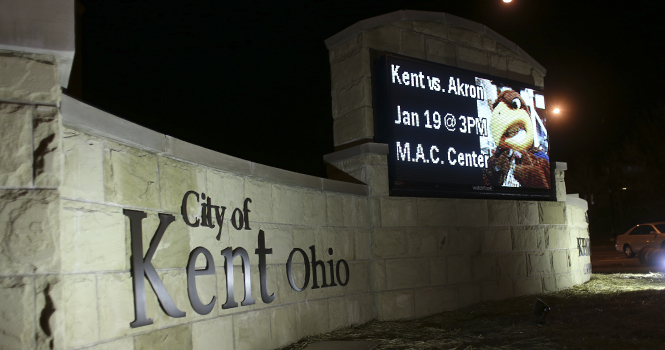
<point x="507" y="1"/>
<point x="624" y="188"/>
<point x="556" y="110"/>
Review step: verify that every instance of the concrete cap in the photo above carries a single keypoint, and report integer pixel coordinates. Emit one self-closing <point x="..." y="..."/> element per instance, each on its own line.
<point x="40" y="26"/>
<point x="408" y="15"/>
<point x="574" y="199"/>
<point x="83" y="117"/>
<point x="561" y="166"/>
<point x="365" y="148"/>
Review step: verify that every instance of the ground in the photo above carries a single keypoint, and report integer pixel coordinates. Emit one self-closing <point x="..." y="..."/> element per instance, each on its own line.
<point x="612" y="311"/>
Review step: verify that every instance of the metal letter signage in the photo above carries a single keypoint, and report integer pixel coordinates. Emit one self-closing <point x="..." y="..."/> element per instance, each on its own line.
<point x="230" y="297"/>
<point x="192" y="272"/>
<point x="142" y="266"/>
<point x="583" y="247"/>
<point x="316" y="263"/>
<point x="261" y="252"/>
<point x="289" y="270"/>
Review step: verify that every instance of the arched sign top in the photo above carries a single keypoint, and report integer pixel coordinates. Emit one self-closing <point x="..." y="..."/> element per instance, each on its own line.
<point x="441" y="17"/>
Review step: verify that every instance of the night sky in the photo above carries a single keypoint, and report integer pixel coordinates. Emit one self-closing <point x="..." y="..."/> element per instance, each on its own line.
<point x="252" y="79"/>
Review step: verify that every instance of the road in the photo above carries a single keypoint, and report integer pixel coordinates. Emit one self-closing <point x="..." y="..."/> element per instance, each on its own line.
<point x="605" y="259"/>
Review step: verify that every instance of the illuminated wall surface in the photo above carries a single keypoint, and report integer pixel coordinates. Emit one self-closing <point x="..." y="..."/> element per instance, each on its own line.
<point x="116" y="237"/>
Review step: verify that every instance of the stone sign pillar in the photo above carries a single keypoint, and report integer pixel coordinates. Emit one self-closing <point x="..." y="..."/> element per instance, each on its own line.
<point x="36" y="53"/>
<point x="437" y="254"/>
<point x="30" y="173"/>
<point x="435" y="37"/>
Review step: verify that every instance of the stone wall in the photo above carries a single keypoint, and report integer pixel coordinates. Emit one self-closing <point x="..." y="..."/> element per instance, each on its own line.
<point x="432" y="255"/>
<point x="69" y="174"/>
<point x="66" y="244"/>
<point x="103" y="176"/>
<point x="30" y="161"/>
<point x="449" y="253"/>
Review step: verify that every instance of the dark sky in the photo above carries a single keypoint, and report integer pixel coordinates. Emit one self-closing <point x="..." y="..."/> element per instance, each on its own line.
<point x="251" y="78"/>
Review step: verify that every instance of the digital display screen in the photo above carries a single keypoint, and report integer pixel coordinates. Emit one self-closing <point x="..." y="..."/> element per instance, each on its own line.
<point x="458" y="133"/>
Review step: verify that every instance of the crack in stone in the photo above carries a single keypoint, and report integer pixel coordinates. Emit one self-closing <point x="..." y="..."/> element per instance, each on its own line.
<point x="147" y="189"/>
<point x="40" y="153"/>
<point x="84" y="210"/>
<point x="111" y="171"/>
<point x="20" y="82"/>
<point x="19" y="284"/>
<point x="33" y="57"/>
<point x="47" y="312"/>
<point x="43" y="120"/>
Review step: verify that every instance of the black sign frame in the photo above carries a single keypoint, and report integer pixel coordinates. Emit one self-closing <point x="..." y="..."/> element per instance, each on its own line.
<point x="384" y="125"/>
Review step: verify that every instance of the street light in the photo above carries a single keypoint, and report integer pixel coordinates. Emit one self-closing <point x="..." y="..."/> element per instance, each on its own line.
<point x="507" y="1"/>
<point x="556" y="110"/>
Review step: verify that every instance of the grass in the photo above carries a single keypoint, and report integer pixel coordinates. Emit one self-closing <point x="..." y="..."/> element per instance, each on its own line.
<point x="610" y="311"/>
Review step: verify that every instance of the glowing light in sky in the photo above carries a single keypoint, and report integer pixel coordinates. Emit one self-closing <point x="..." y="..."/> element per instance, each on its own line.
<point x="507" y="1"/>
<point x="556" y="110"/>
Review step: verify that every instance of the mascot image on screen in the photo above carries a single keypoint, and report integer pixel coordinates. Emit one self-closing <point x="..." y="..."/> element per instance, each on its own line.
<point x="518" y="159"/>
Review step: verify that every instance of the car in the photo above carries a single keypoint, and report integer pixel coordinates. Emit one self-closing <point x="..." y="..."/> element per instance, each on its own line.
<point x="640" y="236"/>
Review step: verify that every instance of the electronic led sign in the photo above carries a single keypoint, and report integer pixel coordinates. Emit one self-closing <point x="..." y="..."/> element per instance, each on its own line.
<point x="458" y="133"/>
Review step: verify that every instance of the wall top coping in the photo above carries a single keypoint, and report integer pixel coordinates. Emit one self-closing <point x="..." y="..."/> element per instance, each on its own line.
<point x="83" y="117"/>
<point x="40" y="26"/>
<point x="410" y="15"/>
<point x="365" y="148"/>
<point x="574" y="199"/>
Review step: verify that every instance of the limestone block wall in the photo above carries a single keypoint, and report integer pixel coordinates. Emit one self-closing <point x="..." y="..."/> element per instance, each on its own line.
<point x="68" y="173"/>
<point x="72" y="178"/>
<point x="105" y="174"/>
<point x="431" y="255"/>
<point x="30" y="159"/>
<point x="408" y="257"/>
<point x="443" y="254"/>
